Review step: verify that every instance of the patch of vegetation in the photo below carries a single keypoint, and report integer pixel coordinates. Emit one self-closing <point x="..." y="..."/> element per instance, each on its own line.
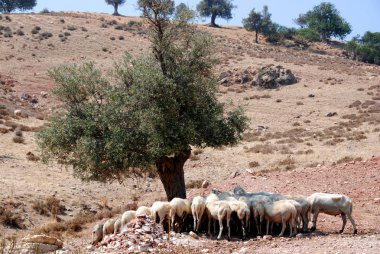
<point x="36" y="30"/>
<point x="194" y="184"/>
<point x="365" y="49"/>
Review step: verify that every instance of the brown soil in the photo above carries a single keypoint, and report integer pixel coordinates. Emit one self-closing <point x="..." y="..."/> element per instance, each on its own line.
<point x="300" y="150"/>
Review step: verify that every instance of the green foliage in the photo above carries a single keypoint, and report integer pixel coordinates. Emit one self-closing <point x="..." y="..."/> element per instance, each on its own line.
<point x="215" y="8"/>
<point x="309" y="34"/>
<point x="7" y="6"/>
<point x="253" y="23"/>
<point x="184" y="13"/>
<point x="325" y="19"/>
<point x="365" y="49"/>
<point x="153" y="106"/>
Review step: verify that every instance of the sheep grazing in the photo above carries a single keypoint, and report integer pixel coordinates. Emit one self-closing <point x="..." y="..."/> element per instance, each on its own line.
<point x="108" y="227"/>
<point x="197" y="209"/>
<point x="127" y="217"/>
<point x="331" y="204"/>
<point x="305" y="212"/>
<point x="218" y="210"/>
<point x="179" y="207"/>
<point x="161" y="209"/>
<point x="243" y="213"/>
<point x="117" y="226"/>
<point x="144" y="210"/>
<point x="97" y="233"/>
<point x="281" y="211"/>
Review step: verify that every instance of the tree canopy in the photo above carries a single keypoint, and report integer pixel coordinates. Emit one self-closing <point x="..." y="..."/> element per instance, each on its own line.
<point x="150" y="112"/>
<point x="215" y="8"/>
<point x="7" y="6"/>
<point x="326" y="20"/>
<point x="115" y="4"/>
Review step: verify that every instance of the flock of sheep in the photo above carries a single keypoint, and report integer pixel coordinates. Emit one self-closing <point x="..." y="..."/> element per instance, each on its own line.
<point x="239" y="207"/>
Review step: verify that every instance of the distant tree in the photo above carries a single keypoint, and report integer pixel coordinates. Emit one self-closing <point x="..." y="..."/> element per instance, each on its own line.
<point x="115" y="4"/>
<point x="7" y="6"/>
<point x="260" y="22"/>
<point x="149" y="115"/>
<point x="254" y="23"/>
<point x="184" y="13"/>
<point x="215" y="8"/>
<point x="366" y="48"/>
<point x="325" y="19"/>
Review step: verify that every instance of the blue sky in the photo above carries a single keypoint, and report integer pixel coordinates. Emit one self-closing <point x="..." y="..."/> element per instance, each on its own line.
<point x="363" y="15"/>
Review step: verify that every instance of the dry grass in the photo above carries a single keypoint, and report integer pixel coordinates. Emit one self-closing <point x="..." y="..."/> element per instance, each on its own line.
<point x="18" y="139"/>
<point x="348" y="159"/>
<point x="288" y="163"/>
<point x="263" y="148"/>
<point x="9" y="218"/>
<point x="49" y="207"/>
<point x="253" y="164"/>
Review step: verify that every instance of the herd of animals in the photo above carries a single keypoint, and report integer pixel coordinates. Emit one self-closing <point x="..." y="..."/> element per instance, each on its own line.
<point x="241" y="209"/>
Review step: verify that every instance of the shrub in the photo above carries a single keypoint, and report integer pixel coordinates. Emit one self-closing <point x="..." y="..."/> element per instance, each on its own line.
<point x="194" y="184"/>
<point x="66" y="33"/>
<point x="112" y="38"/>
<point x="19" y="32"/>
<point x="84" y="29"/>
<point x="36" y="30"/>
<point x="309" y="34"/>
<point x="71" y="28"/>
<point x="18" y="139"/>
<point x="121" y="37"/>
<point x="45" y="10"/>
<point x="254" y="164"/>
<point x="10" y="219"/>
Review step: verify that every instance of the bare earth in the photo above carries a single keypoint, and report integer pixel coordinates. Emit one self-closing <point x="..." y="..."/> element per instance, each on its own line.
<point x="300" y="150"/>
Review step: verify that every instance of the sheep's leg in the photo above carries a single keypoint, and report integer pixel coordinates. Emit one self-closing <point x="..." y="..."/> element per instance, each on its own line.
<point x="267" y="227"/>
<point x="304" y="222"/>
<point x="209" y="225"/>
<point x="344" y="219"/>
<point x="220" y="227"/>
<point x="228" y="226"/>
<point x="315" y="216"/>
<point x="352" y="222"/>
<point x="214" y="227"/>
<point x="243" y="228"/>
<point x="283" y="227"/>
<point x="261" y="222"/>
<point x="195" y="217"/>
<point x="271" y="227"/>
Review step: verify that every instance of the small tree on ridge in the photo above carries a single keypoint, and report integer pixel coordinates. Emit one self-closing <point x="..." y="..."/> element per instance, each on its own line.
<point x="215" y="8"/>
<point x="115" y="4"/>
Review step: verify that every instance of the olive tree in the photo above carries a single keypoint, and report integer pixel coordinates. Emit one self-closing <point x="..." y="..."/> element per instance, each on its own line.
<point x="326" y="20"/>
<point x="215" y="8"/>
<point x="7" y="6"/>
<point x="115" y="4"/>
<point x="150" y="113"/>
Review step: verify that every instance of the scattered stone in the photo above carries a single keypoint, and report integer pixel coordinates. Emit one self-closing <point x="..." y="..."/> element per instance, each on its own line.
<point x="300" y="235"/>
<point x="44" y="94"/>
<point x="267" y="237"/>
<point x="234" y="174"/>
<point x="44" y="239"/>
<point x="331" y="114"/>
<point x="205" y="184"/>
<point x="250" y="171"/>
<point x="311" y="95"/>
<point x="193" y="235"/>
<point x="244" y="250"/>
<point x="31" y="248"/>
<point x="377" y="200"/>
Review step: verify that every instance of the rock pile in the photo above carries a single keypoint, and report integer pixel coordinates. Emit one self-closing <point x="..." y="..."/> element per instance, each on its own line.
<point x="271" y="77"/>
<point x="140" y="235"/>
<point x="268" y="77"/>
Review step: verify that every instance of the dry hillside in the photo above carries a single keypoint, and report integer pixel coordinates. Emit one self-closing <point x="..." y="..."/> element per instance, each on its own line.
<point x="326" y="127"/>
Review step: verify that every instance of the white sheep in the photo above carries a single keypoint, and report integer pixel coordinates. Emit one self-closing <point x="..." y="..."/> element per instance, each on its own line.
<point x="243" y="213"/>
<point x="306" y="210"/>
<point x="127" y="217"/>
<point x="162" y="210"/>
<point x="144" y="210"/>
<point x="197" y="209"/>
<point x="179" y="207"/>
<point x="108" y="227"/>
<point x="331" y="204"/>
<point x="97" y="233"/>
<point x="281" y="211"/>
<point x="219" y="210"/>
<point x="117" y="226"/>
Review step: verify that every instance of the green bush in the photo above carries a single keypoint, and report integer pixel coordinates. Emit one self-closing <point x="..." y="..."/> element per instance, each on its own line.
<point x="309" y="34"/>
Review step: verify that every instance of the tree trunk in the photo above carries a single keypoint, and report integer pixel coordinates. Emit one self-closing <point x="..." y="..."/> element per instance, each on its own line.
<point x="170" y="171"/>
<point x="213" y="17"/>
<point x="257" y="36"/>
<point x="116" y="7"/>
